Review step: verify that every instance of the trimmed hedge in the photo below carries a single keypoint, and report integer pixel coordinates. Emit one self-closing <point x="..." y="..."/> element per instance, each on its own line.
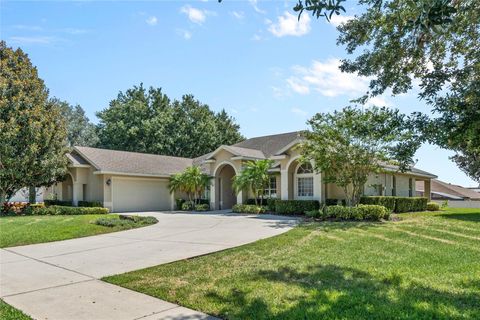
<point x="295" y="206"/>
<point x="387" y="202"/>
<point x="248" y="208"/>
<point x="61" y="210"/>
<point x="433" y="206"/>
<point x="413" y="204"/>
<point x="360" y="212"/>
<point x="268" y="202"/>
<point x="398" y="204"/>
<point x="58" y="203"/>
<point x="90" y="204"/>
<point x="334" y="202"/>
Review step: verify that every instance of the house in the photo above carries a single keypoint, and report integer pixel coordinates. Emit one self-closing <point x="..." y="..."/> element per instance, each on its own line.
<point x="446" y="191"/>
<point x="129" y="181"/>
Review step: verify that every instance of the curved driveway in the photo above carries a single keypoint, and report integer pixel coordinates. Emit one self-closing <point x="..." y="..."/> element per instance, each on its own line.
<point x="59" y="280"/>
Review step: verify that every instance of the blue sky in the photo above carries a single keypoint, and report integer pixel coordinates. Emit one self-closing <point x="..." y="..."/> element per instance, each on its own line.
<point x="252" y="58"/>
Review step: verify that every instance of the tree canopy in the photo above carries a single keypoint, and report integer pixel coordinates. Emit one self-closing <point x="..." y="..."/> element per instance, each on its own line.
<point x="430" y="46"/>
<point x="80" y="131"/>
<point x="149" y="121"/>
<point x="348" y="145"/>
<point x="32" y="130"/>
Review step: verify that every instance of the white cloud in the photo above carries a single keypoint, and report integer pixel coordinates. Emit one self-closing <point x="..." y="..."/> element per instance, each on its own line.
<point x="378" y="101"/>
<point x="256" y="37"/>
<point x="295" y="84"/>
<point x="187" y="35"/>
<point x="34" y="40"/>
<point x="255" y="7"/>
<point x="152" y="21"/>
<point x="74" y="31"/>
<point x="299" y="112"/>
<point x="195" y="15"/>
<point x="327" y="79"/>
<point x="289" y="25"/>
<point x="27" y="27"/>
<point x="337" y="20"/>
<point x="240" y="15"/>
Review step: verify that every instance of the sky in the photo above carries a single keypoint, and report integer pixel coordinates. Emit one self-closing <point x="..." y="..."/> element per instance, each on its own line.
<point x="254" y="59"/>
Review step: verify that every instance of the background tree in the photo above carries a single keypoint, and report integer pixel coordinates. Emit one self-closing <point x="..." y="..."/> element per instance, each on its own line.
<point x="346" y="146"/>
<point x="253" y="177"/>
<point x="148" y="121"/>
<point x="433" y="42"/>
<point x="32" y="130"/>
<point x="80" y="131"/>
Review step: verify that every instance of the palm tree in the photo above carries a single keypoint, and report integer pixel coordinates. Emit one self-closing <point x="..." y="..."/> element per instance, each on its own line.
<point x="254" y="176"/>
<point x="192" y="181"/>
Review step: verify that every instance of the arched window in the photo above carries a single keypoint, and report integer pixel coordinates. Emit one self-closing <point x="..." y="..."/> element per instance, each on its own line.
<point x="305" y="168"/>
<point x="304" y="181"/>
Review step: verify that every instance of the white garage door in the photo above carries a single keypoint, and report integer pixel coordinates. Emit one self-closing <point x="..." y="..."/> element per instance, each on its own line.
<point x="130" y="194"/>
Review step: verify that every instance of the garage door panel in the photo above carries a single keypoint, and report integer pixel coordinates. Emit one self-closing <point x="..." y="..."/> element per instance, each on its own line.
<point x="140" y="195"/>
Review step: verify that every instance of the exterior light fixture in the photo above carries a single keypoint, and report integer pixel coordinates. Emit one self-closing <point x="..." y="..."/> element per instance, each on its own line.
<point x="109" y="182"/>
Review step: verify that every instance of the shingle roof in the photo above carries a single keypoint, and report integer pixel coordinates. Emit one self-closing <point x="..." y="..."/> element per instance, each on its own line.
<point x="133" y="162"/>
<point x="411" y="170"/>
<point x="76" y="159"/>
<point x="441" y="187"/>
<point x="270" y="145"/>
<point x="246" y="152"/>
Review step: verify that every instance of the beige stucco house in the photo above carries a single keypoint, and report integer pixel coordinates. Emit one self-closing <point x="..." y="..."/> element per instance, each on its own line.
<point x="129" y="181"/>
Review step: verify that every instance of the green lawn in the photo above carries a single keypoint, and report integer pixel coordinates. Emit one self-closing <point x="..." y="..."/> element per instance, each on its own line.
<point x="8" y="312"/>
<point x="426" y="266"/>
<point x="15" y="231"/>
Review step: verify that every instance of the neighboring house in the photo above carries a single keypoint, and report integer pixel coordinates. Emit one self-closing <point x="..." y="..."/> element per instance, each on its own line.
<point x="23" y="194"/>
<point x="129" y="181"/>
<point x="446" y="191"/>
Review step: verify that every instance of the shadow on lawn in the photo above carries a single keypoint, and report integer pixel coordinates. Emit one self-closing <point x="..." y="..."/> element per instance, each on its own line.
<point x="329" y="291"/>
<point x="471" y="217"/>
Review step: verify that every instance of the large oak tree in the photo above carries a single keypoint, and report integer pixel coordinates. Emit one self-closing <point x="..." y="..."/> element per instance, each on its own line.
<point x="32" y="130"/>
<point x="144" y="120"/>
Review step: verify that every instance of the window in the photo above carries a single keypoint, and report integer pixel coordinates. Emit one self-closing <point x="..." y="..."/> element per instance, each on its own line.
<point x="305" y="168"/>
<point x="271" y="190"/>
<point x="305" y="187"/>
<point x="304" y="180"/>
<point x="394" y="186"/>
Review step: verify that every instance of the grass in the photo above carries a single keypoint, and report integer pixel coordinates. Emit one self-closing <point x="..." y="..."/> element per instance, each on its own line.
<point x="8" y="312"/>
<point x="15" y="231"/>
<point x="425" y="266"/>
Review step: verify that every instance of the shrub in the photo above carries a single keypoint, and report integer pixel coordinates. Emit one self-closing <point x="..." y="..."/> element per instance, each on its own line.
<point x="188" y="206"/>
<point x="202" y="207"/>
<point x="126" y="221"/>
<point x="372" y="212"/>
<point x="248" y="208"/>
<point x="334" y="202"/>
<point x="433" y="206"/>
<point x="397" y="204"/>
<point x="314" y="214"/>
<point x="57" y="203"/>
<point x="387" y="202"/>
<point x="295" y="206"/>
<point x="179" y="203"/>
<point x="410" y="204"/>
<point x="60" y="210"/>
<point x="360" y="212"/>
<point x="90" y="204"/>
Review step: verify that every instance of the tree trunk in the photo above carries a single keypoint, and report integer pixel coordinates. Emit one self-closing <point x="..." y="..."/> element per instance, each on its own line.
<point x="3" y="198"/>
<point x="32" y="195"/>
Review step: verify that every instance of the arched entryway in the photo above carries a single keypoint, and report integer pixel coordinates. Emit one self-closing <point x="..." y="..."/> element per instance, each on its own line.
<point x="225" y="197"/>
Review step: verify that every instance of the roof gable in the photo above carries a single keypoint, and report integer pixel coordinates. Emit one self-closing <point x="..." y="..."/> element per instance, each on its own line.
<point x="270" y="145"/>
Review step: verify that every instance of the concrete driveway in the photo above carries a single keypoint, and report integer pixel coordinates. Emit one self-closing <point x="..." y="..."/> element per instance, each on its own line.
<point x="59" y="280"/>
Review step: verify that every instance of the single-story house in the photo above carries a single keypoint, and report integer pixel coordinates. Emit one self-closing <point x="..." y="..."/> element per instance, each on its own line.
<point x="446" y="191"/>
<point x="130" y="181"/>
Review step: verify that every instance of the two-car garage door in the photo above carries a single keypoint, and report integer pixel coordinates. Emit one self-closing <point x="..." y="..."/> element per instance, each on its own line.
<point x="137" y="194"/>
